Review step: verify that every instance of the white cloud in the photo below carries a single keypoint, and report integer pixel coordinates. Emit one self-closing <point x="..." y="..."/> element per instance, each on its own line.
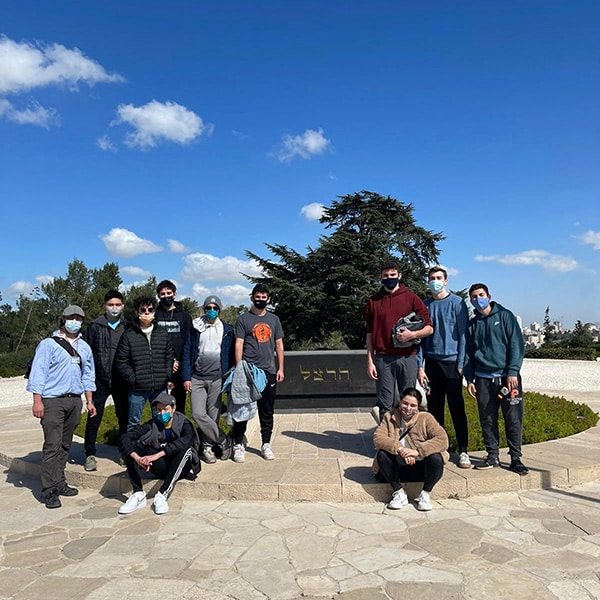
<point x="541" y="258"/>
<point x="42" y="279"/>
<point x="134" y="272"/>
<point x="305" y="145"/>
<point x="158" y="121"/>
<point x="235" y="294"/>
<point x="199" y="291"/>
<point x="126" y="244"/>
<point x="25" y="66"/>
<point x="313" y="211"/>
<point x="34" y="115"/>
<point x="209" y="267"/>
<point x="19" y="287"/>
<point x="592" y="238"/>
<point x="105" y="143"/>
<point x="177" y="247"/>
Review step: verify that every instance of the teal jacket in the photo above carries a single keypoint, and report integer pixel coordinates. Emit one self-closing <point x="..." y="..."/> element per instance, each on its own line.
<point x="494" y="344"/>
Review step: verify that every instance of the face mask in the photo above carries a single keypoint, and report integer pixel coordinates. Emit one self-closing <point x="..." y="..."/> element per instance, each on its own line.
<point x="408" y="413"/>
<point x="115" y="312"/>
<point x="212" y="314"/>
<point x="436" y="286"/>
<point x="146" y="320"/>
<point x="480" y="303"/>
<point x="72" y="326"/>
<point x="389" y="283"/>
<point x="164" y="417"/>
<point x="167" y="301"/>
<point x="260" y="304"/>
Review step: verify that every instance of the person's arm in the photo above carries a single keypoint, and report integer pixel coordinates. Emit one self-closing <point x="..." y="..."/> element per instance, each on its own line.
<point x="436" y="438"/>
<point x="371" y="369"/>
<point x="239" y="349"/>
<point x="279" y="354"/>
<point x="516" y="350"/>
<point x="385" y="437"/>
<point x="462" y="320"/>
<point x="122" y="365"/>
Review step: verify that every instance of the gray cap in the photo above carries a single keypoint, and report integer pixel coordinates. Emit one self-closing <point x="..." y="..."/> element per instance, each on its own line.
<point x="213" y="300"/>
<point x="73" y="309"/>
<point x="165" y="399"/>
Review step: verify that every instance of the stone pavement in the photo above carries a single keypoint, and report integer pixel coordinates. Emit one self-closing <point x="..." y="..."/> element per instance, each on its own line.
<point x="525" y="545"/>
<point x="491" y="534"/>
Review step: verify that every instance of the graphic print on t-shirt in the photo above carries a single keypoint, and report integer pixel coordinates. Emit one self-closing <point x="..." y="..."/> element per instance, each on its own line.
<point x="262" y="332"/>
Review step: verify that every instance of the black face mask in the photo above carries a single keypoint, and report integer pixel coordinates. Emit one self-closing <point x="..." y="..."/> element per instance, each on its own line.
<point x="260" y="304"/>
<point x="167" y="301"/>
<point x="390" y="283"/>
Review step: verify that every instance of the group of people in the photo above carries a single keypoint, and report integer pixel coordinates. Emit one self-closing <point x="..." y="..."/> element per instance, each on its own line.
<point x="164" y="354"/>
<point x="158" y="358"/>
<point x="443" y="347"/>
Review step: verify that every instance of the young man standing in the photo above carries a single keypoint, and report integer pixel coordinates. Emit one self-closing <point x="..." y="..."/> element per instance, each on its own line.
<point x="167" y="446"/>
<point x="62" y="370"/>
<point x="103" y="335"/>
<point x="388" y="363"/>
<point x="144" y="359"/>
<point x="207" y="356"/>
<point x="171" y="315"/>
<point x="495" y="352"/>
<point x="259" y="341"/>
<point x="444" y="354"/>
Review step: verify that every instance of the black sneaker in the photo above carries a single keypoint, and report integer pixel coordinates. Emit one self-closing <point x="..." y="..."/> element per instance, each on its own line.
<point x="65" y="490"/>
<point x="52" y="500"/>
<point x="516" y="466"/>
<point x="491" y="462"/>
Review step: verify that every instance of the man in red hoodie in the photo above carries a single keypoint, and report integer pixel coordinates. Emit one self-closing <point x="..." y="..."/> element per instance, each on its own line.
<point x="391" y="350"/>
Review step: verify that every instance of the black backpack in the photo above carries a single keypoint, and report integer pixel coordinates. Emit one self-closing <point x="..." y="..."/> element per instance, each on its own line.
<point x="64" y="344"/>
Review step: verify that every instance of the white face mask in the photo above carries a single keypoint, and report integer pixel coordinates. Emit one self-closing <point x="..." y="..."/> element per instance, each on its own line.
<point x="114" y="312"/>
<point x="72" y="326"/>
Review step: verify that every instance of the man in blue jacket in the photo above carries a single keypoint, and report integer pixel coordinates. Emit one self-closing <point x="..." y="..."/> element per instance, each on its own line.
<point x="208" y="354"/>
<point x="495" y="352"/>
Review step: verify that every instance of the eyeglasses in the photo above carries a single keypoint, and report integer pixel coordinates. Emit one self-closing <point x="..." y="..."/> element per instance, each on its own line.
<point x="146" y="309"/>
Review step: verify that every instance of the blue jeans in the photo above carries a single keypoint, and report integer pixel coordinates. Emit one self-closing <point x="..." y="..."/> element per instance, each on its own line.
<point x="137" y="401"/>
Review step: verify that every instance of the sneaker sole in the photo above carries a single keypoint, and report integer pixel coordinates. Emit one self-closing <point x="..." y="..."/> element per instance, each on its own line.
<point x="128" y="512"/>
<point x="469" y="466"/>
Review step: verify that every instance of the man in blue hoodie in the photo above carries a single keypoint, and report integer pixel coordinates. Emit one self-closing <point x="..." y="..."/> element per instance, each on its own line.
<point x="495" y="352"/>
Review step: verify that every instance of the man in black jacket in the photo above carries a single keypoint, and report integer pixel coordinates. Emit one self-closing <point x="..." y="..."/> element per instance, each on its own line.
<point x="103" y="335"/>
<point x="167" y="446"/>
<point x="171" y="315"/>
<point x="144" y="359"/>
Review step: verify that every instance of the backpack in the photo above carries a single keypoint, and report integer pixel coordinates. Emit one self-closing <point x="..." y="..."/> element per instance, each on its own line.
<point x="412" y="322"/>
<point x="64" y="344"/>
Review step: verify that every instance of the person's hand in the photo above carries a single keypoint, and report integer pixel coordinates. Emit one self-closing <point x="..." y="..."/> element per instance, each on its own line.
<point x="371" y="371"/>
<point x="472" y="390"/>
<point x="175" y="366"/>
<point x="280" y="376"/>
<point x="512" y="383"/>
<point x="405" y="335"/>
<point x="421" y="377"/>
<point x="38" y="408"/>
<point x="91" y="409"/>
<point x="187" y="386"/>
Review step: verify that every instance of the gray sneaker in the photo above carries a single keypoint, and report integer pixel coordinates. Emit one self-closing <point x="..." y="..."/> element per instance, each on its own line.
<point x="209" y="455"/>
<point x="90" y="463"/>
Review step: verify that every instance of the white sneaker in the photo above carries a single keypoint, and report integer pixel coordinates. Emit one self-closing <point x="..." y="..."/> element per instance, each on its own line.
<point x="267" y="452"/>
<point x="209" y="456"/>
<point x="399" y="500"/>
<point x="464" y="462"/>
<point x="160" y="504"/>
<point x="135" y="501"/>
<point x="375" y="414"/>
<point x="239" y="453"/>
<point x="424" y="501"/>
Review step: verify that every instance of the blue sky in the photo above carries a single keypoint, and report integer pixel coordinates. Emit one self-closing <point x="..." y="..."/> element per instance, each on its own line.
<point x="170" y="137"/>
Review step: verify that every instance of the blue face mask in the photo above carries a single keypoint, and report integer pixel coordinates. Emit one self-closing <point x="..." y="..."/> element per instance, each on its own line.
<point x="436" y="286"/>
<point x="72" y="326"/>
<point x="163" y="418"/>
<point x="212" y="314"/>
<point x="480" y="303"/>
<point x="389" y="283"/>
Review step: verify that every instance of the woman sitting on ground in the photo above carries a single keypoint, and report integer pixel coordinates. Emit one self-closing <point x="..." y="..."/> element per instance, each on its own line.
<point x="411" y="446"/>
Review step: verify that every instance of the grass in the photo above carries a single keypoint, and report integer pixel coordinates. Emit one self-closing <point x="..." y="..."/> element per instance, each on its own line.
<point x="546" y="418"/>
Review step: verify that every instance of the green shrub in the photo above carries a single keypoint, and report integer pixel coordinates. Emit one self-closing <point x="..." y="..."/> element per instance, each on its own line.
<point x="562" y="353"/>
<point x="13" y="364"/>
<point x="546" y="418"/>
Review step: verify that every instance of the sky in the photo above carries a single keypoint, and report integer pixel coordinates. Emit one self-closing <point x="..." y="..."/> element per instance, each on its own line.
<point x="172" y="137"/>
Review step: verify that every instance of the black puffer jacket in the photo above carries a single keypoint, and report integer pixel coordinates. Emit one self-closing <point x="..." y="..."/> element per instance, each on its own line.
<point x="145" y="367"/>
<point x="99" y="336"/>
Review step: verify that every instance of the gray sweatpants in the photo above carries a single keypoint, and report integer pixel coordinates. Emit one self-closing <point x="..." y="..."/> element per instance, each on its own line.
<point x="392" y="372"/>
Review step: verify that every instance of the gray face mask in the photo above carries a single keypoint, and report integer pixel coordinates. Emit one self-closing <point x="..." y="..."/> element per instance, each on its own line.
<point x="72" y="326"/>
<point x="115" y="312"/>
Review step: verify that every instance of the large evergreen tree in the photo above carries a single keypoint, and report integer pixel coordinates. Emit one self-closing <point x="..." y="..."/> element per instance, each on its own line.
<point x="325" y="291"/>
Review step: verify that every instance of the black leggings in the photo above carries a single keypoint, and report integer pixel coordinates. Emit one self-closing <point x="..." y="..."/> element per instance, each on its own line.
<point x="395" y="470"/>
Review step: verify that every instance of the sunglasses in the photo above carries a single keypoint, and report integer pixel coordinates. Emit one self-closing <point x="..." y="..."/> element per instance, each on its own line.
<point x="211" y="308"/>
<point x="147" y="309"/>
